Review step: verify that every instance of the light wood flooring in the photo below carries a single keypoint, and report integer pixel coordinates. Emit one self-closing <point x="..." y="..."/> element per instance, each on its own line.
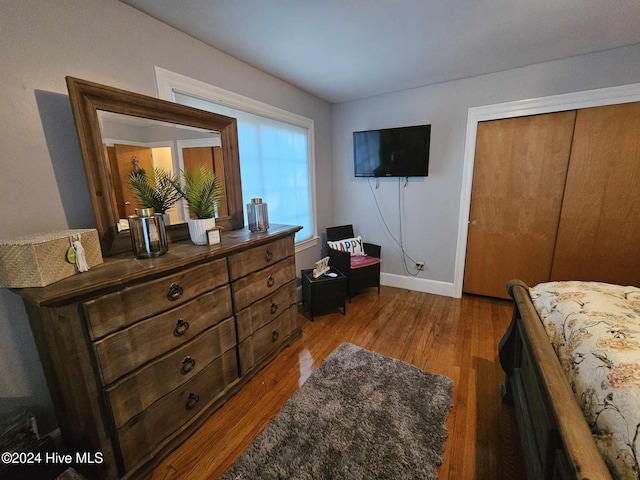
<point x="454" y="337"/>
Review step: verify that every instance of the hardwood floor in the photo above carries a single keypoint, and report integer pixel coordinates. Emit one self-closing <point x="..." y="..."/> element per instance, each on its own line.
<point x="454" y="337"/>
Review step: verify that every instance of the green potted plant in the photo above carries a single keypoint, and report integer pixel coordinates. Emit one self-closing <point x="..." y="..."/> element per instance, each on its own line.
<point x="156" y="190"/>
<point x="202" y="191"/>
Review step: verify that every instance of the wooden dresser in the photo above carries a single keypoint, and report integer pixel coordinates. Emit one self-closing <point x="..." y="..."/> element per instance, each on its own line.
<point x="139" y="353"/>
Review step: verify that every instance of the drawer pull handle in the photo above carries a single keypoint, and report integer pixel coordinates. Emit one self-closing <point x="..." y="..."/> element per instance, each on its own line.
<point x="187" y="365"/>
<point x="269" y="256"/>
<point x="274" y="308"/>
<point x="192" y="401"/>
<point x="175" y="292"/>
<point x="182" y="327"/>
<point x="275" y="335"/>
<point x="270" y="281"/>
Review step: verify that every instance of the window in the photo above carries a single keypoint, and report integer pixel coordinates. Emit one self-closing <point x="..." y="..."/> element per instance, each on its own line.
<point x="276" y="149"/>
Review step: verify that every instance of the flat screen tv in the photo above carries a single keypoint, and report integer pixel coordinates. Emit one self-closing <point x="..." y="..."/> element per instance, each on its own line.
<point x="392" y="152"/>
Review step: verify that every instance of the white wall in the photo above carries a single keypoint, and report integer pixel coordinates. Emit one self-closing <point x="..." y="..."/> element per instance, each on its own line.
<point x="430" y="206"/>
<point x="42" y="183"/>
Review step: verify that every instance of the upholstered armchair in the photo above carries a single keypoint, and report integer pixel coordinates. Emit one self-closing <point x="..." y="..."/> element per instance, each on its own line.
<point x="357" y="260"/>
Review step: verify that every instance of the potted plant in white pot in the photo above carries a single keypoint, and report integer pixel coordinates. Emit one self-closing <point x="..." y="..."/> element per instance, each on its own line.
<point x="202" y="191"/>
<point x="156" y="190"/>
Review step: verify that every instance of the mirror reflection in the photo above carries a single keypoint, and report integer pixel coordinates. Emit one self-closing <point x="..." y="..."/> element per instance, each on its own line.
<point x="156" y="123"/>
<point x="151" y="149"/>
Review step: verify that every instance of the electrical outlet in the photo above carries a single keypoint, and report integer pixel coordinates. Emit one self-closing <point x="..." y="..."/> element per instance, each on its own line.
<point x="420" y="266"/>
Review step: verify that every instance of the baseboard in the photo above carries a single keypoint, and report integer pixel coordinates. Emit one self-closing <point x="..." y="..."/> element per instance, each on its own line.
<point x="418" y="284"/>
<point x="409" y="283"/>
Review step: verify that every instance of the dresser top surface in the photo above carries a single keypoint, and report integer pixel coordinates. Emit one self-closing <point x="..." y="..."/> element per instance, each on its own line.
<point x="125" y="269"/>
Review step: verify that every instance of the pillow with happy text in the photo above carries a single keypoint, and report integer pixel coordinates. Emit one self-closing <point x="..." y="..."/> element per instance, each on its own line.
<point x="352" y="245"/>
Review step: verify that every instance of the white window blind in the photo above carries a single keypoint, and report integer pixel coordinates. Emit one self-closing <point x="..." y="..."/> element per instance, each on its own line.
<point x="274" y="164"/>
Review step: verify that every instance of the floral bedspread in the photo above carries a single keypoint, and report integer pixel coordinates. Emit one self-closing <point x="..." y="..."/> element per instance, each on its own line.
<point x="595" y="331"/>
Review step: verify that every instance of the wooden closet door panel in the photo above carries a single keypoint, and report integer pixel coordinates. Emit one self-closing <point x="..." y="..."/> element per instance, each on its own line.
<point x="518" y="179"/>
<point x="599" y="233"/>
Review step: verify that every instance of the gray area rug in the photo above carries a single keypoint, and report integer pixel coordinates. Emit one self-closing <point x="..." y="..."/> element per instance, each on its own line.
<point x="360" y="415"/>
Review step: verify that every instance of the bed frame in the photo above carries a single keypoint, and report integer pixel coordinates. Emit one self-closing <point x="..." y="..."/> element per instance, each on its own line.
<point x="555" y="437"/>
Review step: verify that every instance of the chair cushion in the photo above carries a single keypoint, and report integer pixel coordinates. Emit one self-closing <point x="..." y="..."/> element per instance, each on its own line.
<point x="359" y="261"/>
<point x="352" y="245"/>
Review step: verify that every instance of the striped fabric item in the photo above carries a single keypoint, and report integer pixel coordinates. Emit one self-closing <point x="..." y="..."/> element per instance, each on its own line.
<point x="358" y="261"/>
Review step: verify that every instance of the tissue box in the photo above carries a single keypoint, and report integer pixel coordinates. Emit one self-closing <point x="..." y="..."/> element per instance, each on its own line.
<point x="39" y="260"/>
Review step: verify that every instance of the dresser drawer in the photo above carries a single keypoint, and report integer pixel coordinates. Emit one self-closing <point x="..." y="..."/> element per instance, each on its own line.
<point x="117" y="310"/>
<point x="257" y="258"/>
<point x="143" y="433"/>
<point x="267" y="339"/>
<point x="125" y="350"/>
<point x="136" y="392"/>
<point x="259" y="284"/>
<point x="258" y="314"/>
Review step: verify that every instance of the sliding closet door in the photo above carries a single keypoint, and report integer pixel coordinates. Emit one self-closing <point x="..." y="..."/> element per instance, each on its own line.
<point x="518" y="180"/>
<point x="599" y="234"/>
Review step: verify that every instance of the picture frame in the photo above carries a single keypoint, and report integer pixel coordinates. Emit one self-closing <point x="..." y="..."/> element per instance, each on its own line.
<point x="214" y="236"/>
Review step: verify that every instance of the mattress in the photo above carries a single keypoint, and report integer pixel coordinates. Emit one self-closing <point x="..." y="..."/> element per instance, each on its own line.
<point x="595" y="331"/>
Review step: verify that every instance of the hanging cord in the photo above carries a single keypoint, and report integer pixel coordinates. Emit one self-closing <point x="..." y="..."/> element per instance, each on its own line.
<point x="81" y="257"/>
<point x="405" y="255"/>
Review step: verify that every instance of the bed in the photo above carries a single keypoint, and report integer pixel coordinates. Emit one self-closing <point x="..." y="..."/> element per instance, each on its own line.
<point x="572" y="359"/>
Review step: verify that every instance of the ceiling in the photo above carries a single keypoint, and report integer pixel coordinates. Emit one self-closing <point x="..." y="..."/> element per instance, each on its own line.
<point x="341" y="50"/>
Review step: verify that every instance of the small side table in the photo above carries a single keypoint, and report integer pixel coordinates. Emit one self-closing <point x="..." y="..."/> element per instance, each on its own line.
<point x="324" y="293"/>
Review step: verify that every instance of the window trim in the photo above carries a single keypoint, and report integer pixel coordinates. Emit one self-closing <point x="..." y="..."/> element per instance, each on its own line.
<point x="168" y="83"/>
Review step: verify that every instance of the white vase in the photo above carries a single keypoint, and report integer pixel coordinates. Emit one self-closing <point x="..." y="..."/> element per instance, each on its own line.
<point x="198" y="229"/>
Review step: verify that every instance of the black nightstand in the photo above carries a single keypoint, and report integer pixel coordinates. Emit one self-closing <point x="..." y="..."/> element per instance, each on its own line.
<point x="324" y="293"/>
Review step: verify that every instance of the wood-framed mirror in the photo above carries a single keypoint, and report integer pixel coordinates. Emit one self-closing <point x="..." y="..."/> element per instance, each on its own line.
<point x="105" y="118"/>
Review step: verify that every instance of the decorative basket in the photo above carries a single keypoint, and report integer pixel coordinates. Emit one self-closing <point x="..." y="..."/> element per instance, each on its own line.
<point x="40" y="260"/>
